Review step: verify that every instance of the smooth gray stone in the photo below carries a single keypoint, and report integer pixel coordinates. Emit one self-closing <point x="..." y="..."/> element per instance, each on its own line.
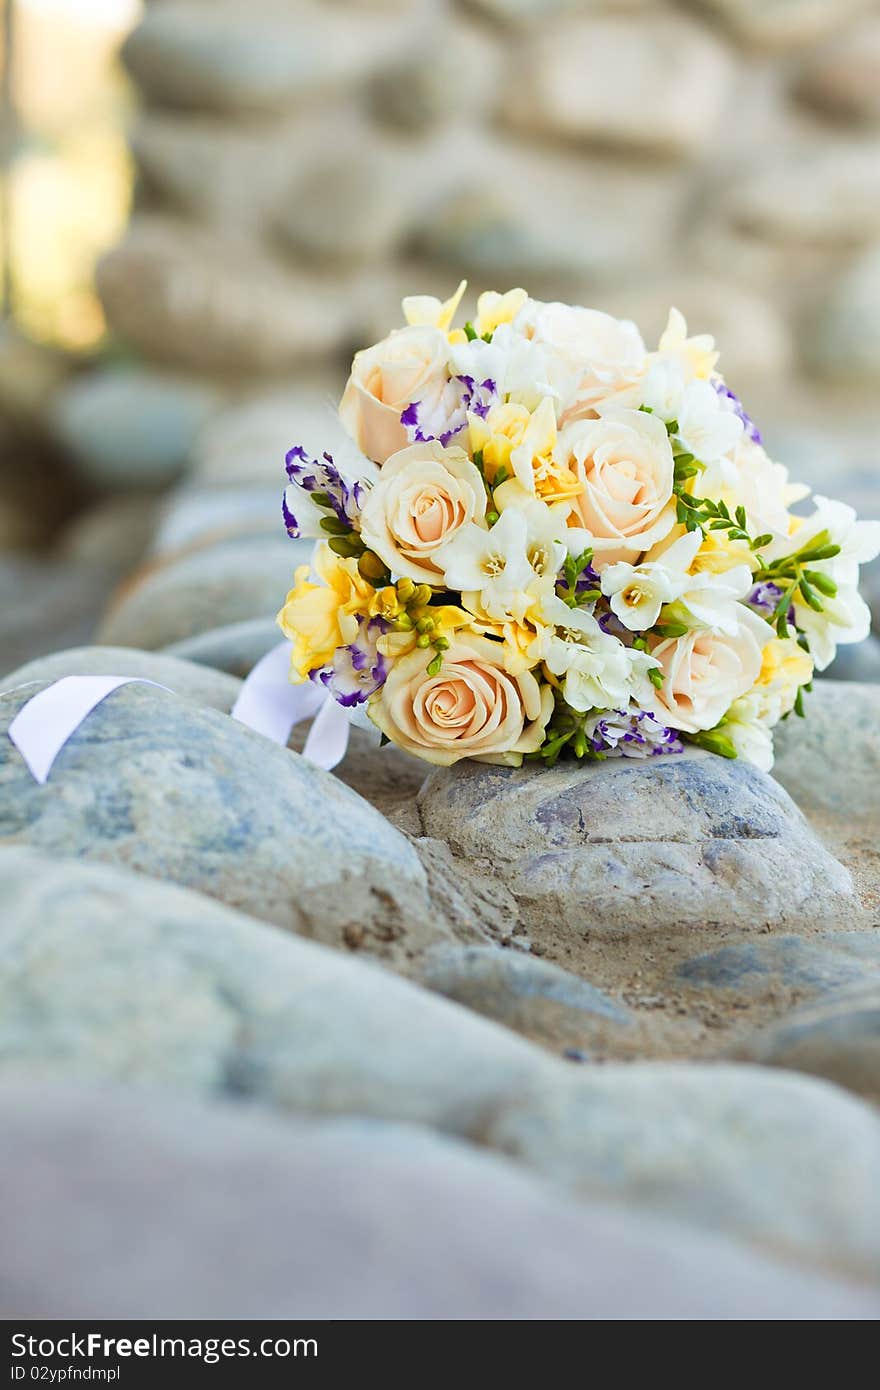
<point x="235" y="648"/>
<point x="839" y="1039"/>
<point x="762" y="965"/>
<point x="105" y="975"/>
<point x="47" y="605"/>
<point x="131" y="427"/>
<point x="117" y="1207"/>
<point x="830" y="761"/>
<point x="617" y="846"/>
<point x="153" y="783"/>
<point x="199" y="683"/>
<point x="110" y="975"/>
<point x="529" y="995"/>
<point x="225" y="583"/>
<point x="793" y="1165"/>
<point x="859" y="661"/>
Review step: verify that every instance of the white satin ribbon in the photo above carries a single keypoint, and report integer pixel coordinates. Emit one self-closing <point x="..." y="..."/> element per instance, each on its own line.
<point x="267" y="703"/>
<point x="42" y="726"/>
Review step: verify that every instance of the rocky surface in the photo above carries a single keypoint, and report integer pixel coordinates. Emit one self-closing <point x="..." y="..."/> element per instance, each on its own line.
<point x="124" y="1207"/>
<point x="235" y="648"/>
<point x="204" y="999"/>
<point x="152" y="782"/>
<point x="202" y="684"/>
<point x="678" y="1137"/>
<point x="838" y="1038"/>
<point x="652" y="848"/>
<point x="131" y="428"/>
<point x="528" y="995"/>
<point x="181" y="597"/>
<point x="601" y="80"/>
<point x="196" y="996"/>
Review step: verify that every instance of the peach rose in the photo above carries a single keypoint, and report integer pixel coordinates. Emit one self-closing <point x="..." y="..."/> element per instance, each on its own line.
<point x="409" y="365"/>
<point x="424" y="496"/>
<point x="704" y="672"/>
<point x="625" y="467"/>
<point x="471" y="709"/>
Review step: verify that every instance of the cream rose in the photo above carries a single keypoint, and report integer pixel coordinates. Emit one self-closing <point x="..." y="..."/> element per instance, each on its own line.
<point x="704" y="672"/>
<point x="605" y="357"/>
<point x="409" y="365"/>
<point x="471" y="709"/>
<point x="624" y="464"/>
<point x="424" y="496"/>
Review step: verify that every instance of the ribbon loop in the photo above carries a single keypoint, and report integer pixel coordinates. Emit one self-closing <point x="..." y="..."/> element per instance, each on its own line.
<point x="267" y="703"/>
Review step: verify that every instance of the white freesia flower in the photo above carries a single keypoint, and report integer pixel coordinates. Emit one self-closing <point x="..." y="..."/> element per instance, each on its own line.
<point x="491" y="563"/>
<point x="598" y="671"/>
<point x="663" y="387"/>
<point x="845" y="618"/>
<point x="859" y="541"/>
<point x="545" y="527"/>
<point x="751" y="479"/>
<point x="705" y="427"/>
<point x="522" y="371"/>
<point x="638" y="592"/>
<point x="714" y="600"/>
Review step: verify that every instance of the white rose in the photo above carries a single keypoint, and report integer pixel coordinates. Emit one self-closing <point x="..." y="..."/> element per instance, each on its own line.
<point x="704" y="672"/>
<point x="605" y="356"/>
<point x="409" y="365"/>
<point x="425" y="496"/>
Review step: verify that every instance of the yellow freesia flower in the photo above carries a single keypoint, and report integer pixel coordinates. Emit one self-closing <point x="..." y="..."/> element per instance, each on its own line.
<point x="718" y="554"/>
<point x="523" y="442"/>
<point x="318" y="618"/>
<point x="785" y="667"/>
<point x="493" y="309"/>
<point x="425" y="311"/>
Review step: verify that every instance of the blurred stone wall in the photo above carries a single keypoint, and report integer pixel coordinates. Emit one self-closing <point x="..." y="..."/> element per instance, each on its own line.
<point x="300" y="165"/>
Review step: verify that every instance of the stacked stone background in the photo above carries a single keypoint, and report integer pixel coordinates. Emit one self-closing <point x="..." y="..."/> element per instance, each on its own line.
<point x="301" y="165"/>
<point x="602" y="1046"/>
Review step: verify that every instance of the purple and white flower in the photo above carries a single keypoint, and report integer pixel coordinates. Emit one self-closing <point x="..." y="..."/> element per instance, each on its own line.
<point x="630" y="733"/>
<point x="733" y="402"/>
<point x="764" y="597"/>
<point x="447" y="416"/>
<point x="316" y="489"/>
<point x="357" y="670"/>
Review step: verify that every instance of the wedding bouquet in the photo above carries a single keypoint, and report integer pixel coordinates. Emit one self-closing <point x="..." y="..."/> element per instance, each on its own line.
<point x="559" y="542"/>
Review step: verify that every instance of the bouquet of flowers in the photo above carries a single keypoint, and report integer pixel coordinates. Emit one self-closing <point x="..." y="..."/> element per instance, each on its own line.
<point x="557" y="542"/>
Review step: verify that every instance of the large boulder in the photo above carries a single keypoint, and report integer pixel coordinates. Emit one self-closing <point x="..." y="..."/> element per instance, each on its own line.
<point x="152" y="782"/>
<point x="117" y="1206"/>
<point x="104" y="974"/>
<point x="782" y="1160"/>
<point x="655" y="847"/>
<point x="229" y="582"/>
